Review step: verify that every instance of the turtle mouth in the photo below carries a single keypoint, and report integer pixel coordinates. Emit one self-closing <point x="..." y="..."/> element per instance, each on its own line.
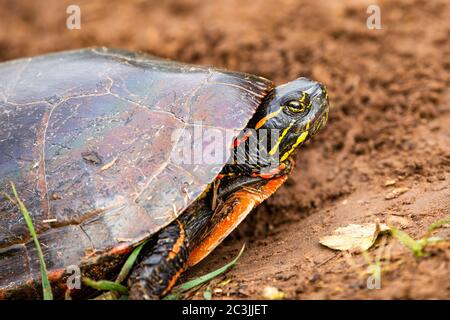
<point x="321" y="122"/>
<point x="323" y="108"/>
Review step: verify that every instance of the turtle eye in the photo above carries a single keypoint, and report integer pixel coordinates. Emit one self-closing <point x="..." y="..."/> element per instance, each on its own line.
<point x="299" y="105"/>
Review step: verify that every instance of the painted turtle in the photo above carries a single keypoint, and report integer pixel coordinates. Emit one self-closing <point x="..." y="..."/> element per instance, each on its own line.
<point x="93" y="139"/>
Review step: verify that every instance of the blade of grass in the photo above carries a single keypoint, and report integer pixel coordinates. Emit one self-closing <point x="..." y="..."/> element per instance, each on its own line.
<point x="436" y="225"/>
<point x="202" y="279"/>
<point x="46" y="288"/>
<point x="126" y="268"/>
<point x="128" y="265"/>
<point x="105" y="285"/>
<point x="415" y="246"/>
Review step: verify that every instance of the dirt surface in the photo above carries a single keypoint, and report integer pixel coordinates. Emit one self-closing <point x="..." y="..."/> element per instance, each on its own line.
<point x="389" y="126"/>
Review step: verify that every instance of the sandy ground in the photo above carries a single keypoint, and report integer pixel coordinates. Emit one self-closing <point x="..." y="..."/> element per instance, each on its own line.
<point x="390" y="122"/>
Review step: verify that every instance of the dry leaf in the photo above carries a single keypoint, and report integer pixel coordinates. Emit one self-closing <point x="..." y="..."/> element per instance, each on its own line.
<point x="354" y="237"/>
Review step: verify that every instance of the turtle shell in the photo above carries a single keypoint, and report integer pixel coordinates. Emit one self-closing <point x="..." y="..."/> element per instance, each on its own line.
<point x="89" y="139"/>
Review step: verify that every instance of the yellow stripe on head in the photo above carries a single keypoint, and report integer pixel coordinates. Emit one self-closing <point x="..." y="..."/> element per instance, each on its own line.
<point x="275" y="147"/>
<point x="300" y="139"/>
<point x="303" y="97"/>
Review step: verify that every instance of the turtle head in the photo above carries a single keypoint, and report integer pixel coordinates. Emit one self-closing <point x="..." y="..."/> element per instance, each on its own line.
<point x="297" y="111"/>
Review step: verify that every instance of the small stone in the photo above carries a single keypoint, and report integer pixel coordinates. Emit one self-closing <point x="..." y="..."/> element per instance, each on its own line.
<point x="56" y="196"/>
<point x="272" y="293"/>
<point x="396" y="193"/>
<point x="91" y="157"/>
<point x="314" y="277"/>
<point x="390" y="182"/>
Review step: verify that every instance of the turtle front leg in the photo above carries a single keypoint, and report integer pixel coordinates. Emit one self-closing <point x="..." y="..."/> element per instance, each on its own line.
<point x="161" y="267"/>
<point x="199" y="230"/>
<point x="159" y="270"/>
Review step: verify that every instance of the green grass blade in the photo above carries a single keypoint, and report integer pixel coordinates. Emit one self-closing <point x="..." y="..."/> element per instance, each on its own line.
<point x="113" y="294"/>
<point x="203" y="279"/>
<point x="128" y="265"/>
<point x="437" y="225"/>
<point x="105" y="285"/>
<point x="415" y="246"/>
<point x="46" y="288"/>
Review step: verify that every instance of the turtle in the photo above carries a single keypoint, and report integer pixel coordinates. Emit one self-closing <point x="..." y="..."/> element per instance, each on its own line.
<point x="110" y="149"/>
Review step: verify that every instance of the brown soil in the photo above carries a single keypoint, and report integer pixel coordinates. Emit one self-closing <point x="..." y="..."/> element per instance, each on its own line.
<point x="390" y="120"/>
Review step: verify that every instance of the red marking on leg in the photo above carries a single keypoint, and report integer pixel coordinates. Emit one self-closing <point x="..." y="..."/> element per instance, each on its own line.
<point x="237" y="141"/>
<point x="177" y="246"/>
<point x="55" y="275"/>
<point x="172" y="282"/>
<point x="272" y="173"/>
<point x="239" y="206"/>
<point x="121" y="249"/>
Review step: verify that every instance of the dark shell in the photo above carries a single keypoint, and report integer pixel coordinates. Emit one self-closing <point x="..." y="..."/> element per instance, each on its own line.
<point x="86" y="137"/>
